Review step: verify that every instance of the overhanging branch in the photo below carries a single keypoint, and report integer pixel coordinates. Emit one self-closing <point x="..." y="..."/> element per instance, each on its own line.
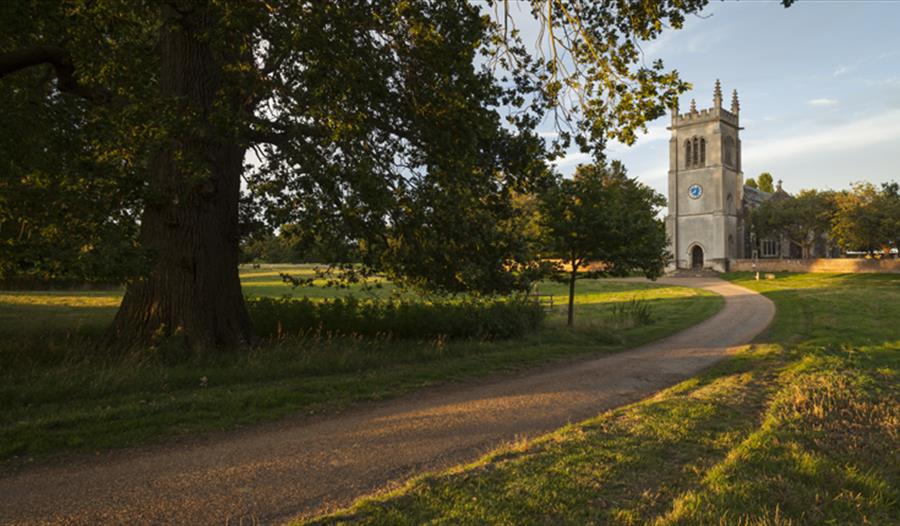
<point x="278" y="134"/>
<point x="61" y="61"/>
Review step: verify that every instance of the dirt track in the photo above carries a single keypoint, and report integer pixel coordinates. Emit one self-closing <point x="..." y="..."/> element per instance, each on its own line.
<point x="275" y="472"/>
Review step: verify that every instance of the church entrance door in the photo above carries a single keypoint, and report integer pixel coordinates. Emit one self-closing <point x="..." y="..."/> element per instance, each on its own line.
<point x="696" y="257"/>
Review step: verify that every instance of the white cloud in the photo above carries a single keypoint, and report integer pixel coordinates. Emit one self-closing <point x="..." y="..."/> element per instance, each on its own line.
<point x="613" y="147"/>
<point x="651" y="176"/>
<point x="853" y="135"/>
<point x="890" y="81"/>
<point x="704" y="42"/>
<point x="654" y="133"/>
<point x="842" y="70"/>
<point x="822" y="102"/>
<point x="654" y="48"/>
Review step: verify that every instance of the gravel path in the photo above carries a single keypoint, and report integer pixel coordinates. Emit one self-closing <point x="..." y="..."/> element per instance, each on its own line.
<point x="275" y="472"/>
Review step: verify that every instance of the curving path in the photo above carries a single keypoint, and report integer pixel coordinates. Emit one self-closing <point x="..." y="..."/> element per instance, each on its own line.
<point x="276" y="472"/>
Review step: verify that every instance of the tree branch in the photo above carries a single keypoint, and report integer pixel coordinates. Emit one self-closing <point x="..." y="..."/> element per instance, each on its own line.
<point x="61" y="61"/>
<point x="263" y="131"/>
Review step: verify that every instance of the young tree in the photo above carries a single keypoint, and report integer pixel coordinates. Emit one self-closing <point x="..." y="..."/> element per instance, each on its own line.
<point x="751" y="182"/>
<point x="765" y="182"/>
<point x="603" y="217"/>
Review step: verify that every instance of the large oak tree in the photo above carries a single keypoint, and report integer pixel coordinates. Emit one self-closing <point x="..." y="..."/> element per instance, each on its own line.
<point x="373" y="121"/>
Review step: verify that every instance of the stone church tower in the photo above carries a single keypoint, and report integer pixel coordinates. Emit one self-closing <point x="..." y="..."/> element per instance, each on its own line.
<point x="705" y="186"/>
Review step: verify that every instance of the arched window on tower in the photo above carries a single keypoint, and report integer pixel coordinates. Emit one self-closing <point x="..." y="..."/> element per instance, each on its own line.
<point x="729" y="151"/>
<point x="729" y="204"/>
<point x="687" y="152"/>
<point x="696" y="155"/>
<point x="702" y="152"/>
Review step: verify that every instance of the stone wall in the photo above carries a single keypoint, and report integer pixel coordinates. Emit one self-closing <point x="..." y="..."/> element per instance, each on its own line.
<point x="837" y="265"/>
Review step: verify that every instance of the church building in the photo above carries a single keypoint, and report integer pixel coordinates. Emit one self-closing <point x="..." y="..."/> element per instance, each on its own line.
<point x="709" y="205"/>
<point x="706" y="186"/>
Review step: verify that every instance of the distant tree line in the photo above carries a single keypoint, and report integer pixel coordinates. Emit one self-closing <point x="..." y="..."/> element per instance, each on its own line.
<point x="865" y="218"/>
<point x="286" y="245"/>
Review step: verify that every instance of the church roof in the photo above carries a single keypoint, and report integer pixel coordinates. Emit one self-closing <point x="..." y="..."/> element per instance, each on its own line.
<point x="755" y="197"/>
<point x="780" y="194"/>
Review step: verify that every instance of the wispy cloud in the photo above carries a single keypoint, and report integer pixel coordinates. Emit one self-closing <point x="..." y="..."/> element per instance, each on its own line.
<point x="652" y="175"/>
<point x="853" y="135"/>
<point x="890" y="81"/>
<point x="822" y="102"/>
<point x="613" y="147"/>
<point x="663" y="43"/>
<point x="654" y="133"/>
<point x="704" y="42"/>
<point x="842" y="70"/>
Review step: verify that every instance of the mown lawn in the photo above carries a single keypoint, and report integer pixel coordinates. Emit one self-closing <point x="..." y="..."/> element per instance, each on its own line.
<point x="61" y="391"/>
<point x="802" y="428"/>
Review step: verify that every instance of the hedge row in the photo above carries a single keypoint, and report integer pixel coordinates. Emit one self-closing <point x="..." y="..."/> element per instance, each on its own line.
<point x="468" y="319"/>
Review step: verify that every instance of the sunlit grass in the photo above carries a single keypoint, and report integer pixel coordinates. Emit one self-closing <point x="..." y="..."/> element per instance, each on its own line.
<point x="268" y="281"/>
<point x="803" y="428"/>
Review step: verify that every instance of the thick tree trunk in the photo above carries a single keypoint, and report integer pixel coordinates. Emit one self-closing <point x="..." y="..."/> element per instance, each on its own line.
<point x="190" y="224"/>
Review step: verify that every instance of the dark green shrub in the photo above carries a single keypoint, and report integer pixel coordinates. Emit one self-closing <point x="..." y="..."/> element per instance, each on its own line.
<point x="479" y="319"/>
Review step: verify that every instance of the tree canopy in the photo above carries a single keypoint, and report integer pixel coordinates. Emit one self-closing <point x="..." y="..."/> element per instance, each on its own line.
<point x="867" y="218"/>
<point x="398" y="127"/>
<point x="803" y="219"/>
<point x="765" y="182"/>
<point x="602" y="216"/>
<point x="864" y="218"/>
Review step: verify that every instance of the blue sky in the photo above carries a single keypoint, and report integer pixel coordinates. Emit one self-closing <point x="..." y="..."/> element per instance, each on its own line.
<point x="819" y="87"/>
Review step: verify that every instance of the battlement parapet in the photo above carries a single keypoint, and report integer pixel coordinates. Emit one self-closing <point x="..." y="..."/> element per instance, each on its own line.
<point x="705" y="115"/>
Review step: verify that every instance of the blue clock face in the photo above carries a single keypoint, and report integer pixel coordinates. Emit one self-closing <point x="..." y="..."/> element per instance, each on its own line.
<point x="695" y="191"/>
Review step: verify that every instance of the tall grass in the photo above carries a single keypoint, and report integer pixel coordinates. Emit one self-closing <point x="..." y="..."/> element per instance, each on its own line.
<point x="633" y="313"/>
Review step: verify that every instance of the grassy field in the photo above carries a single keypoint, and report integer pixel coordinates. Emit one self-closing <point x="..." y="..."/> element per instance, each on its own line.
<point x="802" y="428"/>
<point x="61" y="392"/>
<point x="89" y="312"/>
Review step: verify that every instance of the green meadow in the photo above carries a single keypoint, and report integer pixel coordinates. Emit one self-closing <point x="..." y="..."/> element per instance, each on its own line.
<point x="800" y="428"/>
<point x="63" y="391"/>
